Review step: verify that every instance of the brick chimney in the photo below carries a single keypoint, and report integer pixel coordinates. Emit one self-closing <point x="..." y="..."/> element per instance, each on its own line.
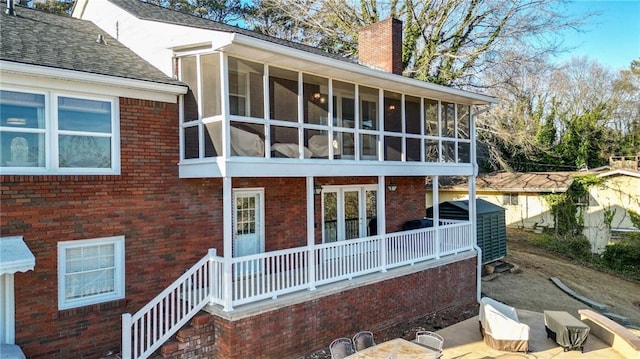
<point x="380" y="45"/>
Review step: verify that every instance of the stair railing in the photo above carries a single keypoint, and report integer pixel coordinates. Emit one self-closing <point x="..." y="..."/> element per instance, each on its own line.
<point x="145" y="331"/>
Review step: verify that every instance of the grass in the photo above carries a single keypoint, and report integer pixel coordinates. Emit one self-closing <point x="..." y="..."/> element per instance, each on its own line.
<point x="621" y="258"/>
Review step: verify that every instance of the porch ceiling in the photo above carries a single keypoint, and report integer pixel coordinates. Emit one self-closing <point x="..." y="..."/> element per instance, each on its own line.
<point x="286" y="57"/>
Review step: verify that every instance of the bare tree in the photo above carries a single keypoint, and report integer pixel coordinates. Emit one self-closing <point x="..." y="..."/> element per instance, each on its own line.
<point x="449" y="42"/>
<point x="226" y="11"/>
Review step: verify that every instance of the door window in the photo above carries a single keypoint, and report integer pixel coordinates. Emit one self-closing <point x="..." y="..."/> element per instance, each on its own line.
<point x="248" y="226"/>
<point x="349" y="213"/>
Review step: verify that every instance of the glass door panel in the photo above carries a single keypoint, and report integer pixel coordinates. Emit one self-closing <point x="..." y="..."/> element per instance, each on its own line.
<point x="330" y="214"/>
<point x="352" y="214"/>
<point x="371" y="205"/>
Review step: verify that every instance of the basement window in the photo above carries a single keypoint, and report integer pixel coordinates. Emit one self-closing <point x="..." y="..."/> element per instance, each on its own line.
<point x="90" y="271"/>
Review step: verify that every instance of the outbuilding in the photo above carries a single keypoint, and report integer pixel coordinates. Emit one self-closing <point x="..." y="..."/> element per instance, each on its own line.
<point x="491" y="227"/>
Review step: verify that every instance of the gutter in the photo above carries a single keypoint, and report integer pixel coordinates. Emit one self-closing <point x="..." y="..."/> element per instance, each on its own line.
<point x="479" y="276"/>
<point x="80" y="76"/>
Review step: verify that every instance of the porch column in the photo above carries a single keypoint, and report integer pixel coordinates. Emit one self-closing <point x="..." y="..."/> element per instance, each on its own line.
<point x="311" y="253"/>
<point x="436" y="212"/>
<point x="473" y="217"/>
<point x="227" y="213"/>
<point x="382" y="221"/>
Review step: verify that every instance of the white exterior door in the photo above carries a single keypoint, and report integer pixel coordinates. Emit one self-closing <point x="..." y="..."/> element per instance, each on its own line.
<point x="348" y="212"/>
<point x="248" y="226"/>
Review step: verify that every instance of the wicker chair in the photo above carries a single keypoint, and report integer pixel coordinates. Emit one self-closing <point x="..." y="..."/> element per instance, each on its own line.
<point x="341" y="348"/>
<point x="363" y="340"/>
<point x="429" y="339"/>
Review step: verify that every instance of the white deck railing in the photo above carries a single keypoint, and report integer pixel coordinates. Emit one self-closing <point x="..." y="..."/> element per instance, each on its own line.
<point x="272" y="274"/>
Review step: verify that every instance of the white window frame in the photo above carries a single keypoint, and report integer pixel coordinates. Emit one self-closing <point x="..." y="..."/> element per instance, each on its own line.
<point x="119" y="272"/>
<point x="52" y="133"/>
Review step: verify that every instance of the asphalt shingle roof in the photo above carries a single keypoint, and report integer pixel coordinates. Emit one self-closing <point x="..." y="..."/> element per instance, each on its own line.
<point x="38" y="38"/>
<point x="146" y="11"/>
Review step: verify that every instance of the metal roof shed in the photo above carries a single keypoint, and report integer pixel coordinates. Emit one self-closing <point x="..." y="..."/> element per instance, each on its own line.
<point x="491" y="227"/>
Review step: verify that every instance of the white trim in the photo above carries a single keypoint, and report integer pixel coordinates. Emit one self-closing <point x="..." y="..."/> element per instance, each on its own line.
<point x="119" y="272"/>
<point x="277" y="167"/>
<point x="623" y="172"/>
<point x="34" y="75"/>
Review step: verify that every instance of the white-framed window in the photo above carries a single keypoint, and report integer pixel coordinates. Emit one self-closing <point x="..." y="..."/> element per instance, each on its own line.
<point x="90" y="271"/>
<point x="46" y="132"/>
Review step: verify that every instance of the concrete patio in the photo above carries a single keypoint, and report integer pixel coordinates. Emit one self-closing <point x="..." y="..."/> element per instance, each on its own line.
<point x="463" y="341"/>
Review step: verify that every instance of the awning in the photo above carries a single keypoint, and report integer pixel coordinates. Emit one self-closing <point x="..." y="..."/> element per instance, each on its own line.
<point x="15" y="256"/>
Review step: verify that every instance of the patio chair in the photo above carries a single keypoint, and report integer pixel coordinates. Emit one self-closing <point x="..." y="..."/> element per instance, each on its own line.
<point x="341" y="348"/>
<point x="429" y="339"/>
<point x="363" y="340"/>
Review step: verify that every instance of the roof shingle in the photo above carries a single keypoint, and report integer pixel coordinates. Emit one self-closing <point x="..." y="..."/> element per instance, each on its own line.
<point x="39" y="38"/>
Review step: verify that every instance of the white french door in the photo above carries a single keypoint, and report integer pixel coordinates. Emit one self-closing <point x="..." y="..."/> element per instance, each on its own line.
<point x="348" y="212"/>
<point x="248" y="226"/>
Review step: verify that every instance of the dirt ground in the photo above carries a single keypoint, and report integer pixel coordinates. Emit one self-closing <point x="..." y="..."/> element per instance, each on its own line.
<point x="530" y="288"/>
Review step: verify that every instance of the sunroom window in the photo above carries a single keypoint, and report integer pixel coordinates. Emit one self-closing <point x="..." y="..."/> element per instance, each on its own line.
<point x="47" y="132"/>
<point x="297" y="115"/>
<point x="283" y="94"/>
<point x="246" y="88"/>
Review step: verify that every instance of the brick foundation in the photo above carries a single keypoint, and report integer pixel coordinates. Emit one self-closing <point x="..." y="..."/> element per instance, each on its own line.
<point x="299" y="329"/>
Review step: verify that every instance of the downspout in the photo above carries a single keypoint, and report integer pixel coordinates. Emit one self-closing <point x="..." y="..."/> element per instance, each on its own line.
<point x="11" y="8"/>
<point x="473" y="217"/>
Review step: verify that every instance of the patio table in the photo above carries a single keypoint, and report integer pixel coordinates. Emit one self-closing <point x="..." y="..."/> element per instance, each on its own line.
<point x="396" y="348"/>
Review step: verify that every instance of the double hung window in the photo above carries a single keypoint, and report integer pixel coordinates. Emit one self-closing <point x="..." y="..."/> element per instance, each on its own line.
<point x="46" y="132"/>
<point x="90" y="271"/>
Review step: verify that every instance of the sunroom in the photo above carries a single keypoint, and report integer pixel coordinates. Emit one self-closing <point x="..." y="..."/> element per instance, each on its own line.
<point x="343" y="134"/>
<point x="339" y="146"/>
<point x="278" y="111"/>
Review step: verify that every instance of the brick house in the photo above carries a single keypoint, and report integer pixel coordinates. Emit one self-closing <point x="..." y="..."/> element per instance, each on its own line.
<point x="248" y="215"/>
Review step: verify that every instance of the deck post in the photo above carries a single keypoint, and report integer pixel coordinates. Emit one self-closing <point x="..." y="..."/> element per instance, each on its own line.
<point x="212" y="277"/>
<point x="227" y="276"/>
<point x="382" y="222"/>
<point x="436" y="214"/>
<point x="311" y="260"/>
<point x="126" y="336"/>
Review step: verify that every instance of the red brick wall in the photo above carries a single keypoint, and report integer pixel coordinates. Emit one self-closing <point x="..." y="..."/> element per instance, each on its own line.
<point x="168" y="224"/>
<point x="300" y="329"/>
<point x="380" y="45"/>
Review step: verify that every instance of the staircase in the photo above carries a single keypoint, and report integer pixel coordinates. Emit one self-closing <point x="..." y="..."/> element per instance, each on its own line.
<point x="194" y="340"/>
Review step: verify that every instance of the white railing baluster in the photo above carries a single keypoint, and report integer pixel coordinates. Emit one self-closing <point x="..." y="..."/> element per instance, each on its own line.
<point x="271" y="274"/>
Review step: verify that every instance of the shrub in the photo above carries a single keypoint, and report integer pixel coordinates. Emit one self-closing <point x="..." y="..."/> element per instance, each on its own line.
<point x="573" y="247"/>
<point x="624" y="256"/>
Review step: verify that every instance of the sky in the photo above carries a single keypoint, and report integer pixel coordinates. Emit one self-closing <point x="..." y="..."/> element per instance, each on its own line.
<point x="612" y="38"/>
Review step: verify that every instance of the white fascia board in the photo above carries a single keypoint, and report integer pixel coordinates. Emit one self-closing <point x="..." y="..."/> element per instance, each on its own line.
<point x="623" y="172"/>
<point x="260" y="167"/>
<point x="54" y="78"/>
<point x="353" y="68"/>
